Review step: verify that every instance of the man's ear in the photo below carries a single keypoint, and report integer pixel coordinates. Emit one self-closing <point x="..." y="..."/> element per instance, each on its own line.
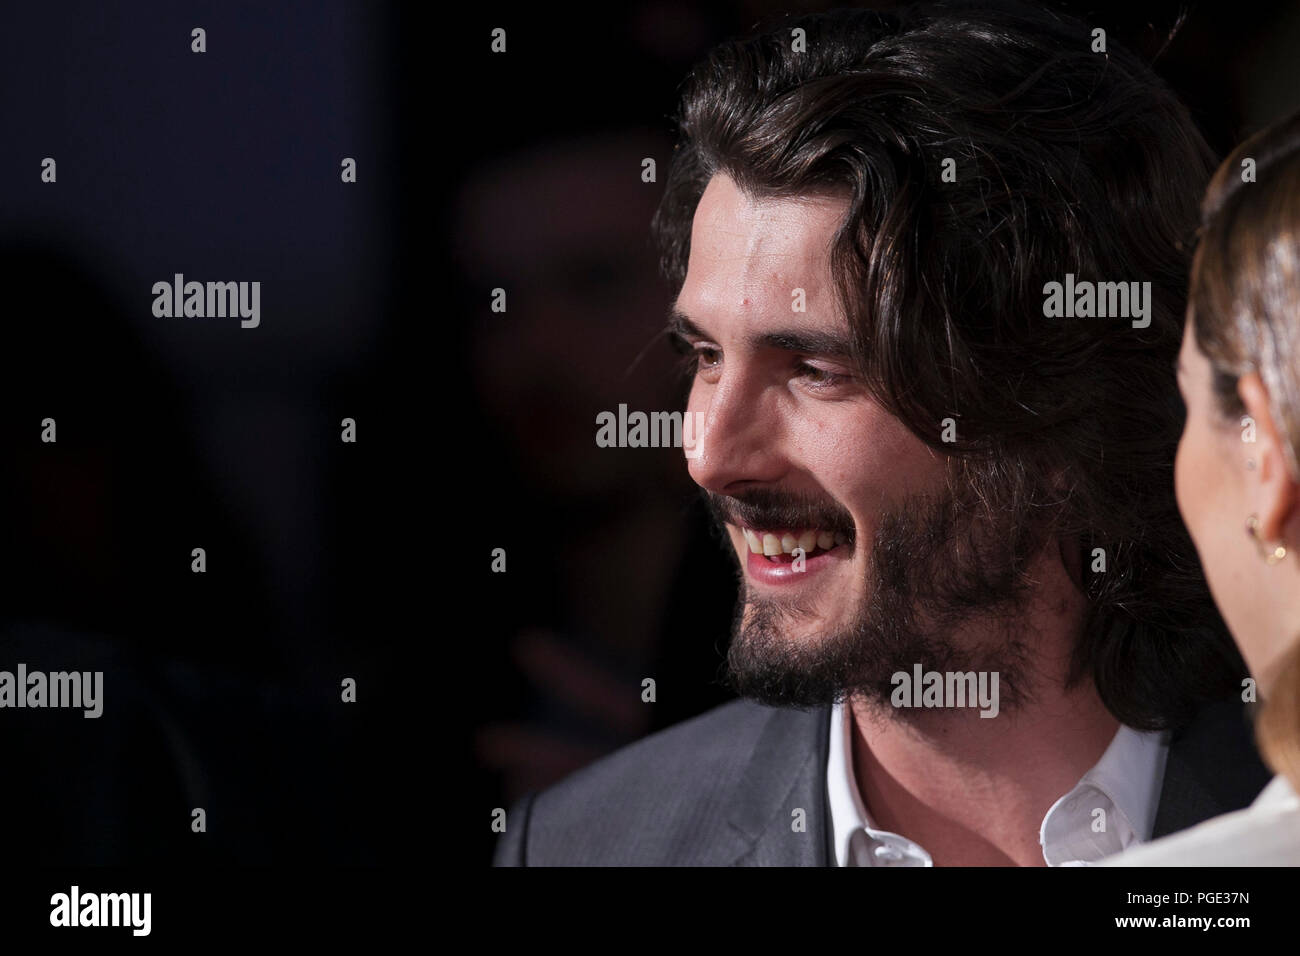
<point x="1274" y="491"/>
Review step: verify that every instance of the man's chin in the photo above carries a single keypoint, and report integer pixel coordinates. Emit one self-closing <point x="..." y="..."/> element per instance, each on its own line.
<point x="796" y="631"/>
<point x="810" y="669"/>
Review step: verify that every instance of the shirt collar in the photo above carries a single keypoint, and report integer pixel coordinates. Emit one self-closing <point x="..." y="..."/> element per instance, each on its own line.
<point x="1124" y="785"/>
<point x="1277" y="795"/>
<point x="849" y="816"/>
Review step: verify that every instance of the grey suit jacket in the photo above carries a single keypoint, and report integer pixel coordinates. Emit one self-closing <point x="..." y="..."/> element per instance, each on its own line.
<point x="722" y="790"/>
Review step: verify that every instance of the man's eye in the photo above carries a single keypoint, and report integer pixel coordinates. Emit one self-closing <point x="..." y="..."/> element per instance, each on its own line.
<point x="696" y="359"/>
<point x="707" y="357"/>
<point x="820" y="377"/>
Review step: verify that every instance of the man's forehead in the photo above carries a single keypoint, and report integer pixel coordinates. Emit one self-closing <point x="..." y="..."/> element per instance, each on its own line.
<point x="729" y="221"/>
<point x="755" y="254"/>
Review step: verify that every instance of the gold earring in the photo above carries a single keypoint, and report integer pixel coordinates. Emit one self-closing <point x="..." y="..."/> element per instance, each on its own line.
<point x="1273" y="557"/>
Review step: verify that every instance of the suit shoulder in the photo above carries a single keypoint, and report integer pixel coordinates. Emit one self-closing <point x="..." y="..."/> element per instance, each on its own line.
<point x="662" y="800"/>
<point x="692" y="752"/>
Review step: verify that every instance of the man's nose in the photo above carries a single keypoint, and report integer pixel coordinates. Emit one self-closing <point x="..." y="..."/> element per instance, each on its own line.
<point x="738" y="436"/>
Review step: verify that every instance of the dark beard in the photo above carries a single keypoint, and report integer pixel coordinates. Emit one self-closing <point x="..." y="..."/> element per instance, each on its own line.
<point x="936" y="564"/>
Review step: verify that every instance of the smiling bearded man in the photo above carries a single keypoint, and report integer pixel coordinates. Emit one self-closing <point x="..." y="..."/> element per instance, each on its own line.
<point x="793" y="435"/>
<point x="919" y="471"/>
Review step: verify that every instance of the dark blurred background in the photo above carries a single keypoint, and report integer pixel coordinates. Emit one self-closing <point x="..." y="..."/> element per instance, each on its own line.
<point x="612" y="575"/>
<point x="475" y="429"/>
<point x="222" y="690"/>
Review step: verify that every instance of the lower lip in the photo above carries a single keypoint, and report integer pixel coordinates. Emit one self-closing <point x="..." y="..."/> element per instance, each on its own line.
<point x="760" y="569"/>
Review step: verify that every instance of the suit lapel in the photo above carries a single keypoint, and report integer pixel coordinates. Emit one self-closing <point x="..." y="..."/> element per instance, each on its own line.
<point x="786" y="772"/>
<point x="1212" y="768"/>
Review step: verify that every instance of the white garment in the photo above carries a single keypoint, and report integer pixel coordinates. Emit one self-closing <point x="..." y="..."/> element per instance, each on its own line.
<point x="1125" y="785"/>
<point x="1266" y="833"/>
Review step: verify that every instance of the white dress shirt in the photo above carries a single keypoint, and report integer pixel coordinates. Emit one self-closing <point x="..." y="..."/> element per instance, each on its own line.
<point x="1125" y="784"/>
<point x="1266" y="833"/>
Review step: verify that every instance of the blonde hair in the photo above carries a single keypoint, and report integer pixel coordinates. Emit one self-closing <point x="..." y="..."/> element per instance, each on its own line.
<point x="1244" y="306"/>
<point x="1277" y="722"/>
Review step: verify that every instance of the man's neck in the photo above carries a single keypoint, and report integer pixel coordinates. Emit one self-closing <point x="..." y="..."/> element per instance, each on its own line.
<point x="974" y="790"/>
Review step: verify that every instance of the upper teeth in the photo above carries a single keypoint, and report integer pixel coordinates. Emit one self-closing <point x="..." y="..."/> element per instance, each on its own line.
<point x="770" y="544"/>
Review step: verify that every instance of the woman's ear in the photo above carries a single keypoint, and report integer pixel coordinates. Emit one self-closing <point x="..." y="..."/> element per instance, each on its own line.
<point x="1273" y="490"/>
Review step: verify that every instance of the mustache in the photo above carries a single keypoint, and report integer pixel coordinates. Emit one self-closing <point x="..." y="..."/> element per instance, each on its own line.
<point x="770" y="508"/>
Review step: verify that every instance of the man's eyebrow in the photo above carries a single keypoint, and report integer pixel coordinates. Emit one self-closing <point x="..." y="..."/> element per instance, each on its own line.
<point x="807" y="341"/>
<point x="680" y="325"/>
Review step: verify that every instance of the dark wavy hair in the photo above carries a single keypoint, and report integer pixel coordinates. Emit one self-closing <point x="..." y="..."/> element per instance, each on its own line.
<point x="1067" y="161"/>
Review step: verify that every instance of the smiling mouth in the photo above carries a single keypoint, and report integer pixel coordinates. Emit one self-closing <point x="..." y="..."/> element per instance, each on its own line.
<point x="778" y="546"/>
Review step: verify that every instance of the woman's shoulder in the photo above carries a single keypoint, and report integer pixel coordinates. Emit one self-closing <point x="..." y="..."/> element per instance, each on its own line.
<point x="1266" y="833"/>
